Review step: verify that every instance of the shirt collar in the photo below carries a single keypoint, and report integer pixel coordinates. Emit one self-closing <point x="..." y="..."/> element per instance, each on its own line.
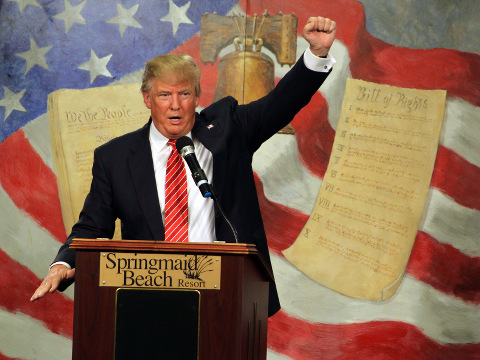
<point x="157" y="140"/>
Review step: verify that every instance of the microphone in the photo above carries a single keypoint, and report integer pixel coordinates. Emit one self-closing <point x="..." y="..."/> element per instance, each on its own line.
<point x="186" y="149"/>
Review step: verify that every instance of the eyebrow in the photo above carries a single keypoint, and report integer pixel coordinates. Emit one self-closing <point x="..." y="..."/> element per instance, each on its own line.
<point x="186" y="89"/>
<point x="164" y="91"/>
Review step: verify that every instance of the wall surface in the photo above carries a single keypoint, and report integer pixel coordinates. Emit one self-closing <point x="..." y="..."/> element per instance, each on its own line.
<point x="52" y="44"/>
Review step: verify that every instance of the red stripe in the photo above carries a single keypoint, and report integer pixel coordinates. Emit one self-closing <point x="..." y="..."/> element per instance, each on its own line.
<point x="446" y="69"/>
<point x="174" y="180"/>
<point x="457" y="178"/>
<point x="178" y="188"/>
<point x="314" y="135"/>
<point x="427" y="261"/>
<point x="174" y="222"/>
<point x="30" y="183"/>
<point x="17" y="285"/>
<point x="179" y="234"/>
<point x="280" y="234"/>
<point x="376" y="340"/>
<point x="175" y="160"/>
<point x="173" y="198"/>
<point x="181" y="206"/>
<point x="4" y="357"/>
<point x="182" y="236"/>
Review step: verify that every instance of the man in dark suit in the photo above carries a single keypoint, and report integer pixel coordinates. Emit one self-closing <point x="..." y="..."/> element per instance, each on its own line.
<point x="129" y="171"/>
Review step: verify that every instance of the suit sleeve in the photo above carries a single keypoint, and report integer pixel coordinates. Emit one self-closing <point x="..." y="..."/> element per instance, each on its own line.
<point x="264" y="117"/>
<point x="97" y="218"/>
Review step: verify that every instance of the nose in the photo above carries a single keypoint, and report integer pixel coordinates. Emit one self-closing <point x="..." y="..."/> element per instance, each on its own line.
<point x="174" y="102"/>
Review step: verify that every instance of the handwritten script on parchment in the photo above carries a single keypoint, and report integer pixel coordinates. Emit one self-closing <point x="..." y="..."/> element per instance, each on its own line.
<point x="360" y="233"/>
<point x="80" y="121"/>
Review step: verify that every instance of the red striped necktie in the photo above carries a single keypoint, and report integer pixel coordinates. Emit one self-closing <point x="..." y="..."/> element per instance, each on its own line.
<point x="176" y="200"/>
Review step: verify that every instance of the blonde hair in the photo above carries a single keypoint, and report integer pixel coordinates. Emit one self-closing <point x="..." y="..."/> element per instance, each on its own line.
<point x="172" y="67"/>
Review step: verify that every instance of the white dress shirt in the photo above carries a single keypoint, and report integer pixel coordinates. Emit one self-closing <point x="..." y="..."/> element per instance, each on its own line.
<point x="201" y="214"/>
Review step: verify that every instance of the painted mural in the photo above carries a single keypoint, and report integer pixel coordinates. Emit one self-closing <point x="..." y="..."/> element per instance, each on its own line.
<point x="47" y="45"/>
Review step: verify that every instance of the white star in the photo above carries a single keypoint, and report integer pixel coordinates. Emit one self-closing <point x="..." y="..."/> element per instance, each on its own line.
<point x="125" y="18"/>
<point x="96" y="66"/>
<point x="23" y="3"/>
<point x="35" y="56"/>
<point x="177" y="15"/>
<point x="11" y="101"/>
<point x="72" y="15"/>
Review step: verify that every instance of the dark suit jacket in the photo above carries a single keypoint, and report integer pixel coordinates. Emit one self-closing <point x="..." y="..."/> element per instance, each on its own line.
<point x="124" y="185"/>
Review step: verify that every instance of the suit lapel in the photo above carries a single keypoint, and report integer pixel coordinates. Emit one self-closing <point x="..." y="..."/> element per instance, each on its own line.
<point x="143" y="176"/>
<point x="210" y="135"/>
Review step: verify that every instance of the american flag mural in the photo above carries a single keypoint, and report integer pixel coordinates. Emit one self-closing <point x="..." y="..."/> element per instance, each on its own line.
<point x="52" y="44"/>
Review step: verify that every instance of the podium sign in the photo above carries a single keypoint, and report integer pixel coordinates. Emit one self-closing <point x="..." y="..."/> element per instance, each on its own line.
<point x="183" y="271"/>
<point x="159" y="300"/>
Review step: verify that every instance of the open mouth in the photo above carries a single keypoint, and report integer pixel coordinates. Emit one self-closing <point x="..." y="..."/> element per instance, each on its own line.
<point x="175" y="119"/>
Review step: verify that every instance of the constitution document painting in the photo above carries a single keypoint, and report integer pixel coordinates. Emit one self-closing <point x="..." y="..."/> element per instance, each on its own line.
<point x="360" y="233"/>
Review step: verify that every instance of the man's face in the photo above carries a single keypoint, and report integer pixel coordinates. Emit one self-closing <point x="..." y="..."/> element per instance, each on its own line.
<point x="172" y="107"/>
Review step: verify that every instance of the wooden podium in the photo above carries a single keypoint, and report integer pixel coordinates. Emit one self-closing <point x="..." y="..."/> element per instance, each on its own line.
<point x="174" y="301"/>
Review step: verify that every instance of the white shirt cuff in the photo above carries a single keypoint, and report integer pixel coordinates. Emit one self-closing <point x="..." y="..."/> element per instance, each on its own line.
<point x="61" y="263"/>
<point x="316" y="63"/>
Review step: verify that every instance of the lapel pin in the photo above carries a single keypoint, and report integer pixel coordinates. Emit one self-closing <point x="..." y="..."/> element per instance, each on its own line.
<point x="209" y="126"/>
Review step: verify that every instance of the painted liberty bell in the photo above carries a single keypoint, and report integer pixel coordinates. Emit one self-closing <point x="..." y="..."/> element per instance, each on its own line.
<point x="247" y="74"/>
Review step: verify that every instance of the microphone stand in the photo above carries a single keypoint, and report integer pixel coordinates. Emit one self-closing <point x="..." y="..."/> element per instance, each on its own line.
<point x="220" y="209"/>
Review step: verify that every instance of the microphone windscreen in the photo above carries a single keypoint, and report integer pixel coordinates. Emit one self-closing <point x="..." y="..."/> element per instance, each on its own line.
<point x="182" y="142"/>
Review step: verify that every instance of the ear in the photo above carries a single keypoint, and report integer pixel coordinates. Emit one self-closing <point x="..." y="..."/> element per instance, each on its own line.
<point x="197" y="101"/>
<point x="146" y="100"/>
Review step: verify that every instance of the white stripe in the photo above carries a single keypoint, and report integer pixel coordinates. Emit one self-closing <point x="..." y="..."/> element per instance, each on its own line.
<point x="171" y="195"/>
<point x="272" y="355"/>
<point x="37" y="134"/>
<point x="176" y="172"/>
<point x="236" y="10"/>
<point x="461" y="129"/>
<point x="173" y="232"/>
<point x="439" y="316"/>
<point x="334" y="87"/>
<point x="172" y="214"/>
<point x="26" y="338"/>
<point x="451" y="223"/>
<point x="25" y="241"/>
<point x="285" y="179"/>
<point x="174" y="183"/>
<point x="183" y="236"/>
